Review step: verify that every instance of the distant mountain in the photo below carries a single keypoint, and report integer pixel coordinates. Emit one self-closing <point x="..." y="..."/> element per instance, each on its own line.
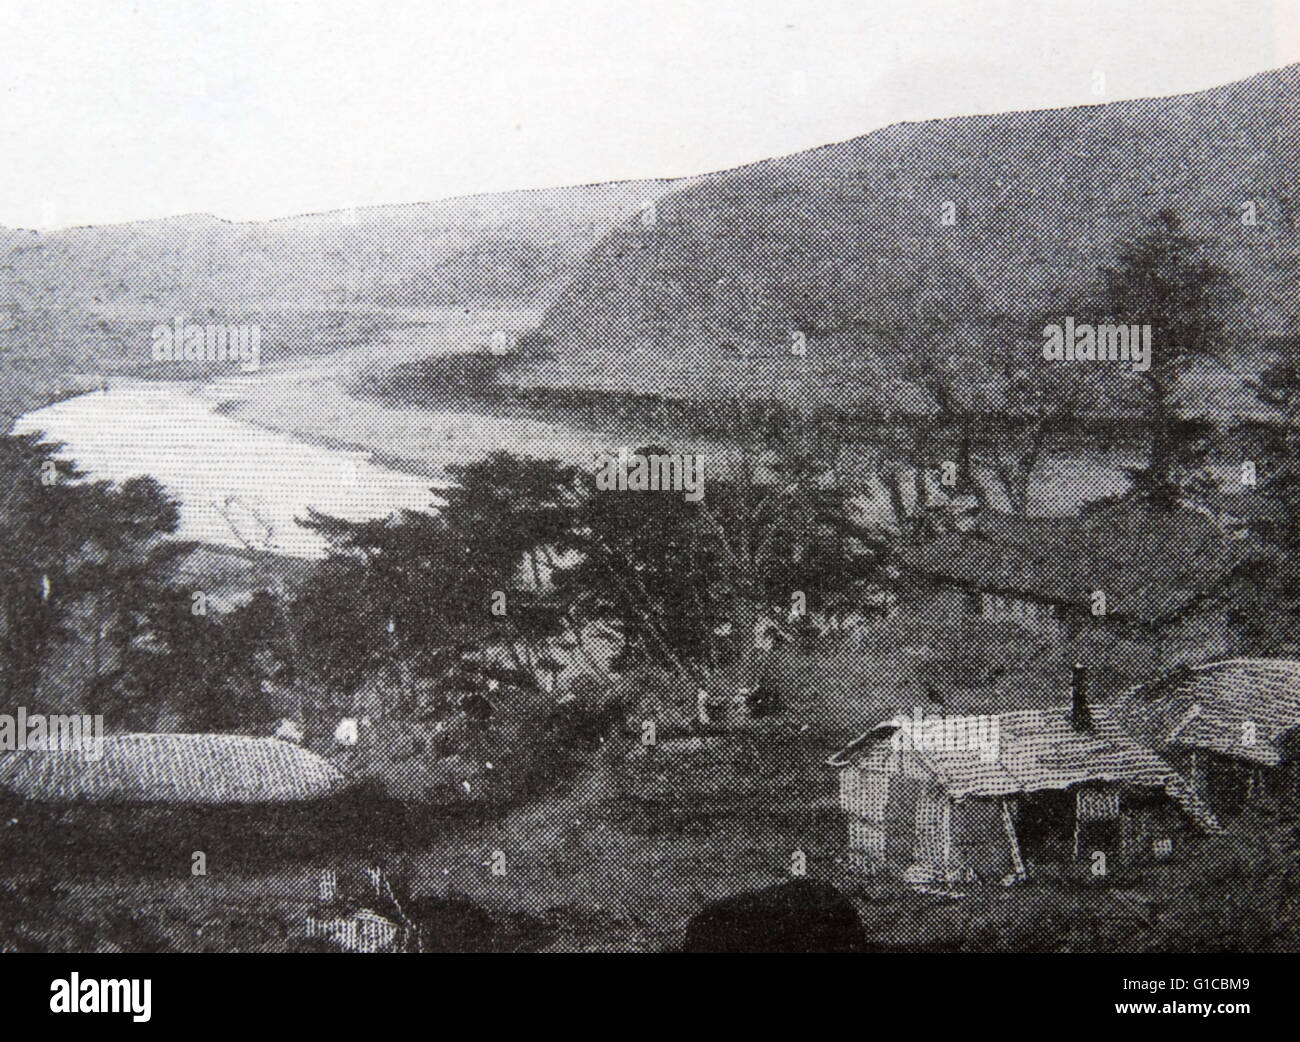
<point x="693" y="287"/>
<point x="844" y="241"/>
<point x="510" y="249"/>
<point x="79" y="303"/>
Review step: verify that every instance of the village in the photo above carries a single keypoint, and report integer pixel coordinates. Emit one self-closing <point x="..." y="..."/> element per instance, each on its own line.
<point x="950" y="719"/>
<point x="646" y="707"/>
<point x="833" y="502"/>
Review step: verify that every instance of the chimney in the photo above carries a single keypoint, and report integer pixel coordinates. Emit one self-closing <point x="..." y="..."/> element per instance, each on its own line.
<point x="1080" y="714"/>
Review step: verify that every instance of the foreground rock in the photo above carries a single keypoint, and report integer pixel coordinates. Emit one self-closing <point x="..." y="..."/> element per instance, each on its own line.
<point x="800" y="916"/>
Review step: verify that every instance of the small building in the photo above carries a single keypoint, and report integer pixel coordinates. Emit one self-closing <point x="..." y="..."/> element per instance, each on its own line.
<point x="1114" y="573"/>
<point x="358" y="910"/>
<point x="1232" y="727"/>
<point x="949" y="800"/>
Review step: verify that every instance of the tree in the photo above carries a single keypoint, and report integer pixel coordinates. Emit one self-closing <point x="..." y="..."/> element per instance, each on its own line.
<point x="1266" y="595"/>
<point x="210" y="669"/>
<point x="1164" y="279"/>
<point x="1032" y="400"/>
<point x="690" y="583"/>
<point x="993" y="403"/>
<point x="640" y="567"/>
<point x="117" y="596"/>
<point x="945" y="351"/>
<point x="430" y="596"/>
<point x="65" y="539"/>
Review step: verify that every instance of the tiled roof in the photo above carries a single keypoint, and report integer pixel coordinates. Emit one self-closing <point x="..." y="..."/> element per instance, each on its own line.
<point x="1149" y="565"/>
<point x="1041" y="749"/>
<point x="1241" y="707"/>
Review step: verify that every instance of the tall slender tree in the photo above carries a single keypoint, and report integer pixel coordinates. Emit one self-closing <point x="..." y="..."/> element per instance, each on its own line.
<point x="1166" y="278"/>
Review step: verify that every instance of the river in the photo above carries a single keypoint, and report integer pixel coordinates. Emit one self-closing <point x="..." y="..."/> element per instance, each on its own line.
<point x="238" y="484"/>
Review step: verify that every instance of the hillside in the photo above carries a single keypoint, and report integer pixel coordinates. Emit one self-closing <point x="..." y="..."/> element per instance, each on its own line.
<point x="697" y="297"/>
<point x="513" y="247"/>
<point x="846" y="241"/>
<point x="77" y="304"/>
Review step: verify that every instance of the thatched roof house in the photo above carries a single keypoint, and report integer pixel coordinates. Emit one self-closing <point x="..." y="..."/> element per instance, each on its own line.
<point x="172" y="769"/>
<point x="1041" y="785"/>
<point x="1234" y="726"/>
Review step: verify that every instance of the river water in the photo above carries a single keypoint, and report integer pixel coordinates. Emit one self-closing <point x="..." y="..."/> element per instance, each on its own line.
<point x="239" y="485"/>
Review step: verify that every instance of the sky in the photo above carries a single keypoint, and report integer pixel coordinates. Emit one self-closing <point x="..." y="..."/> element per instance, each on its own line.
<point x="255" y="109"/>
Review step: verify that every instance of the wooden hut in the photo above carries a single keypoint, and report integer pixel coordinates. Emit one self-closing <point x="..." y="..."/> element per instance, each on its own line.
<point x="1057" y="785"/>
<point x="1232" y="727"/>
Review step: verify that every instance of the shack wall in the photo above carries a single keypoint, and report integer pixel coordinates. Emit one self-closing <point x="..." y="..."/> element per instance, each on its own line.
<point x="980" y="844"/>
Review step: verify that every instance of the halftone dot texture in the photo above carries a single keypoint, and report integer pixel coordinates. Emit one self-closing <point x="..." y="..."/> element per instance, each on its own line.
<point x="171" y="768"/>
<point x="696" y="302"/>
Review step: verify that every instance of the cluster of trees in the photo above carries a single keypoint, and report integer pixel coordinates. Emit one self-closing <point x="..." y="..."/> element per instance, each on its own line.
<point x="529" y="560"/>
<point x="997" y="405"/>
<point x="1266" y="594"/>
<point x="76" y="555"/>
<point x="95" y="615"/>
<point x="998" y="409"/>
